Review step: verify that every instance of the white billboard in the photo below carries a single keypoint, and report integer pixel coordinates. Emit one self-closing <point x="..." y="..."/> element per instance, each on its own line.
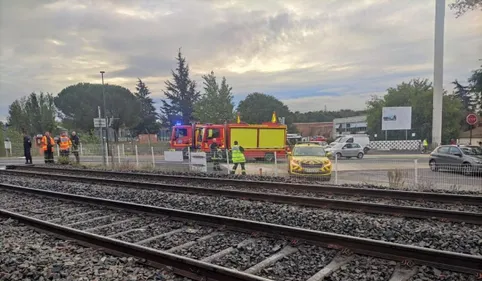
<point x="397" y="118"/>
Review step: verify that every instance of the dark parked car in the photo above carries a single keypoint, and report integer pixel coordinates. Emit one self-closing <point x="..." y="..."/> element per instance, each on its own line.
<point x="464" y="158"/>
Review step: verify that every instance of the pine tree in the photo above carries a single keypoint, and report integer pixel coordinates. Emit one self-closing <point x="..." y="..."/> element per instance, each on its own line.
<point x="181" y="95"/>
<point x="148" y="115"/>
<point x="226" y="105"/>
<point x="216" y="104"/>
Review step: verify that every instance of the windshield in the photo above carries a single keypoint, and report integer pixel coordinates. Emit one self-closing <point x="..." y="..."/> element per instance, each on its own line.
<point x="471" y="150"/>
<point x="337" y="139"/>
<point x="308" y="151"/>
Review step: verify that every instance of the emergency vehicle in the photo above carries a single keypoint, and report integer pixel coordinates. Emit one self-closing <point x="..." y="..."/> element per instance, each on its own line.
<point x="260" y="141"/>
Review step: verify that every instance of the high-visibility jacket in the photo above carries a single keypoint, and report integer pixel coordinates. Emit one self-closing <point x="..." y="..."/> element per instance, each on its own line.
<point x="425" y="143"/>
<point x="45" y="141"/>
<point x="65" y="143"/>
<point x="238" y="156"/>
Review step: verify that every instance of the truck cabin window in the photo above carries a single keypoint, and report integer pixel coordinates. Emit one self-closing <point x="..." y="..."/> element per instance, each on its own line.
<point x="213" y="133"/>
<point x="180" y="133"/>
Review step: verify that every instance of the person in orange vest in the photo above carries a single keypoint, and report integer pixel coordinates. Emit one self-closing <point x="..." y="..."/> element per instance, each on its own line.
<point x="64" y="145"/>
<point x="48" y="148"/>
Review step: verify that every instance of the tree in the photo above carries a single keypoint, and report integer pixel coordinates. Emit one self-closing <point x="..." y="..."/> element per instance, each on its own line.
<point x="463" y="6"/>
<point x="35" y="114"/>
<point x="216" y="104"/>
<point x="475" y="86"/>
<point x="465" y="96"/>
<point x="325" y="116"/>
<point x="257" y="108"/>
<point x="78" y="105"/>
<point x="148" y="116"/>
<point x="181" y="95"/>
<point x="418" y="94"/>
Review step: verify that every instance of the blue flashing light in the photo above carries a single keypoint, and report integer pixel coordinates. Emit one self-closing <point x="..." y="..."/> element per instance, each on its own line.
<point x="178" y="123"/>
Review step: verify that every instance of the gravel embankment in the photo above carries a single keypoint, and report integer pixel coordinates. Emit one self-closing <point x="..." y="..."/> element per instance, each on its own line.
<point x="306" y="180"/>
<point x="28" y="255"/>
<point x="426" y="204"/>
<point x="457" y="237"/>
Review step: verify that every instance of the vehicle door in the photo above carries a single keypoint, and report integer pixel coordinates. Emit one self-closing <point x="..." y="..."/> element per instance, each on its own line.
<point x="441" y="156"/>
<point x="356" y="148"/>
<point x="347" y="150"/>
<point x="454" y="158"/>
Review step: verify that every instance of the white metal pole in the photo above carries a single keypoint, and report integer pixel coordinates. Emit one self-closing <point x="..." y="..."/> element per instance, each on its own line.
<point x="137" y="157"/>
<point x="153" y="159"/>
<point x="118" y="154"/>
<point x="416" y="172"/>
<point x="107" y="154"/>
<point x="336" y="169"/>
<point x="189" y="157"/>
<point x="123" y="150"/>
<point x="275" y="164"/>
<point x="438" y="73"/>
<point x="58" y="152"/>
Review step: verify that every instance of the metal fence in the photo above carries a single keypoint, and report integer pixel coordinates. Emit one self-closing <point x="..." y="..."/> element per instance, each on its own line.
<point x="403" y="173"/>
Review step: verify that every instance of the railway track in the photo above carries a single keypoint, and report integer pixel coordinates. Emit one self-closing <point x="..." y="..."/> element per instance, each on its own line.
<point x="443" y="211"/>
<point x="328" y="189"/>
<point x="220" y="248"/>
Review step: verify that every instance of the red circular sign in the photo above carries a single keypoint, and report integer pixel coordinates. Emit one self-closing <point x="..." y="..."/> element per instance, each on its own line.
<point x="471" y="119"/>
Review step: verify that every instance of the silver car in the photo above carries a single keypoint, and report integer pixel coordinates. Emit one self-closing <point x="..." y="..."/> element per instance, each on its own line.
<point x="462" y="158"/>
<point x="347" y="150"/>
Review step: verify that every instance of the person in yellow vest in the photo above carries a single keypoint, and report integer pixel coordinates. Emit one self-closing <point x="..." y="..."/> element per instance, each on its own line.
<point x="48" y="148"/>
<point x="238" y="158"/>
<point x="425" y="146"/>
<point x="64" y="145"/>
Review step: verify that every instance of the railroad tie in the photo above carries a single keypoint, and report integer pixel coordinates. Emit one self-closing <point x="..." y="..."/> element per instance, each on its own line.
<point x="108" y="225"/>
<point x="72" y="216"/>
<point x="226" y="251"/>
<point x="334" y="265"/>
<point x="403" y="274"/>
<point x="145" y="241"/>
<point x="286" y="251"/>
<point x="191" y="243"/>
<point x="130" y="230"/>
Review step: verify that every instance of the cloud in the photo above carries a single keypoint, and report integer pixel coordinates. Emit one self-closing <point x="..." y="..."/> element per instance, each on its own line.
<point x="307" y="53"/>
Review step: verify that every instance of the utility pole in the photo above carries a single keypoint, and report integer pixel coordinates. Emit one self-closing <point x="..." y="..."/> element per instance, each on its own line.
<point x="101" y="139"/>
<point x="438" y="72"/>
<point x="105" y="116"/>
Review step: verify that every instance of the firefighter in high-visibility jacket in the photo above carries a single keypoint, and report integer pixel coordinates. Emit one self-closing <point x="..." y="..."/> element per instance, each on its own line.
<point x="238" y="158"/>
<point x="48" y="148"/>
<point x="64" y="145"/>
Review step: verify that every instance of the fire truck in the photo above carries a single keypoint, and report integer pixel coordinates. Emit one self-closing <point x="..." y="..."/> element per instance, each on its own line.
<point x="260" y="141"/>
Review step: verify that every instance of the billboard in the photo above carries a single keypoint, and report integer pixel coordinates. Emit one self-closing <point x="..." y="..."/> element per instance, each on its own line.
<point x="397" y="118"/>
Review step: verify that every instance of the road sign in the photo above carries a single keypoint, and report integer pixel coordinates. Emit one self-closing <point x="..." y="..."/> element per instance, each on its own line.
<point x="99" y="122"/>
<point x="471" y="119"/>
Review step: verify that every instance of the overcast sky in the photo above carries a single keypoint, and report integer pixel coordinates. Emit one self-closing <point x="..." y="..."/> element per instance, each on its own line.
<point x="308" y="53"/>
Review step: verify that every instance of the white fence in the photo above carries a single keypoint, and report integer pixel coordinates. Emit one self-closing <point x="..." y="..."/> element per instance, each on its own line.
<point x="392" y="171"/>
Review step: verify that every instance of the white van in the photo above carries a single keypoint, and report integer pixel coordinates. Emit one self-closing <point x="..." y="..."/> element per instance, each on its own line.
<point x="361" y="139"/>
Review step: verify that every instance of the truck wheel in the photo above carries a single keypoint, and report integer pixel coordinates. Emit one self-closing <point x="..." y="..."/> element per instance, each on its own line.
<point x="269" y="157"/>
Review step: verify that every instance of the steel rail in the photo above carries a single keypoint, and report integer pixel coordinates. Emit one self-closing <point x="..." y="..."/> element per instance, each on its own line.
<point x="347" y="205"/>
<point x="316" y="188"/>
<point x="442" y="259"/>
<point x="182" y="264"/>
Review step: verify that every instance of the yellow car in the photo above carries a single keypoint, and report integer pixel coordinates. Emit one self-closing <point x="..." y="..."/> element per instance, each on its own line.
<point x="309" y="159"/>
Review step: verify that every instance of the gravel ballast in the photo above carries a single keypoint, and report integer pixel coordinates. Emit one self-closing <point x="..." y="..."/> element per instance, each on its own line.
<point x="457" y="237"/>
<point x="28" y="255"/>
<point x="459" y="206"/>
